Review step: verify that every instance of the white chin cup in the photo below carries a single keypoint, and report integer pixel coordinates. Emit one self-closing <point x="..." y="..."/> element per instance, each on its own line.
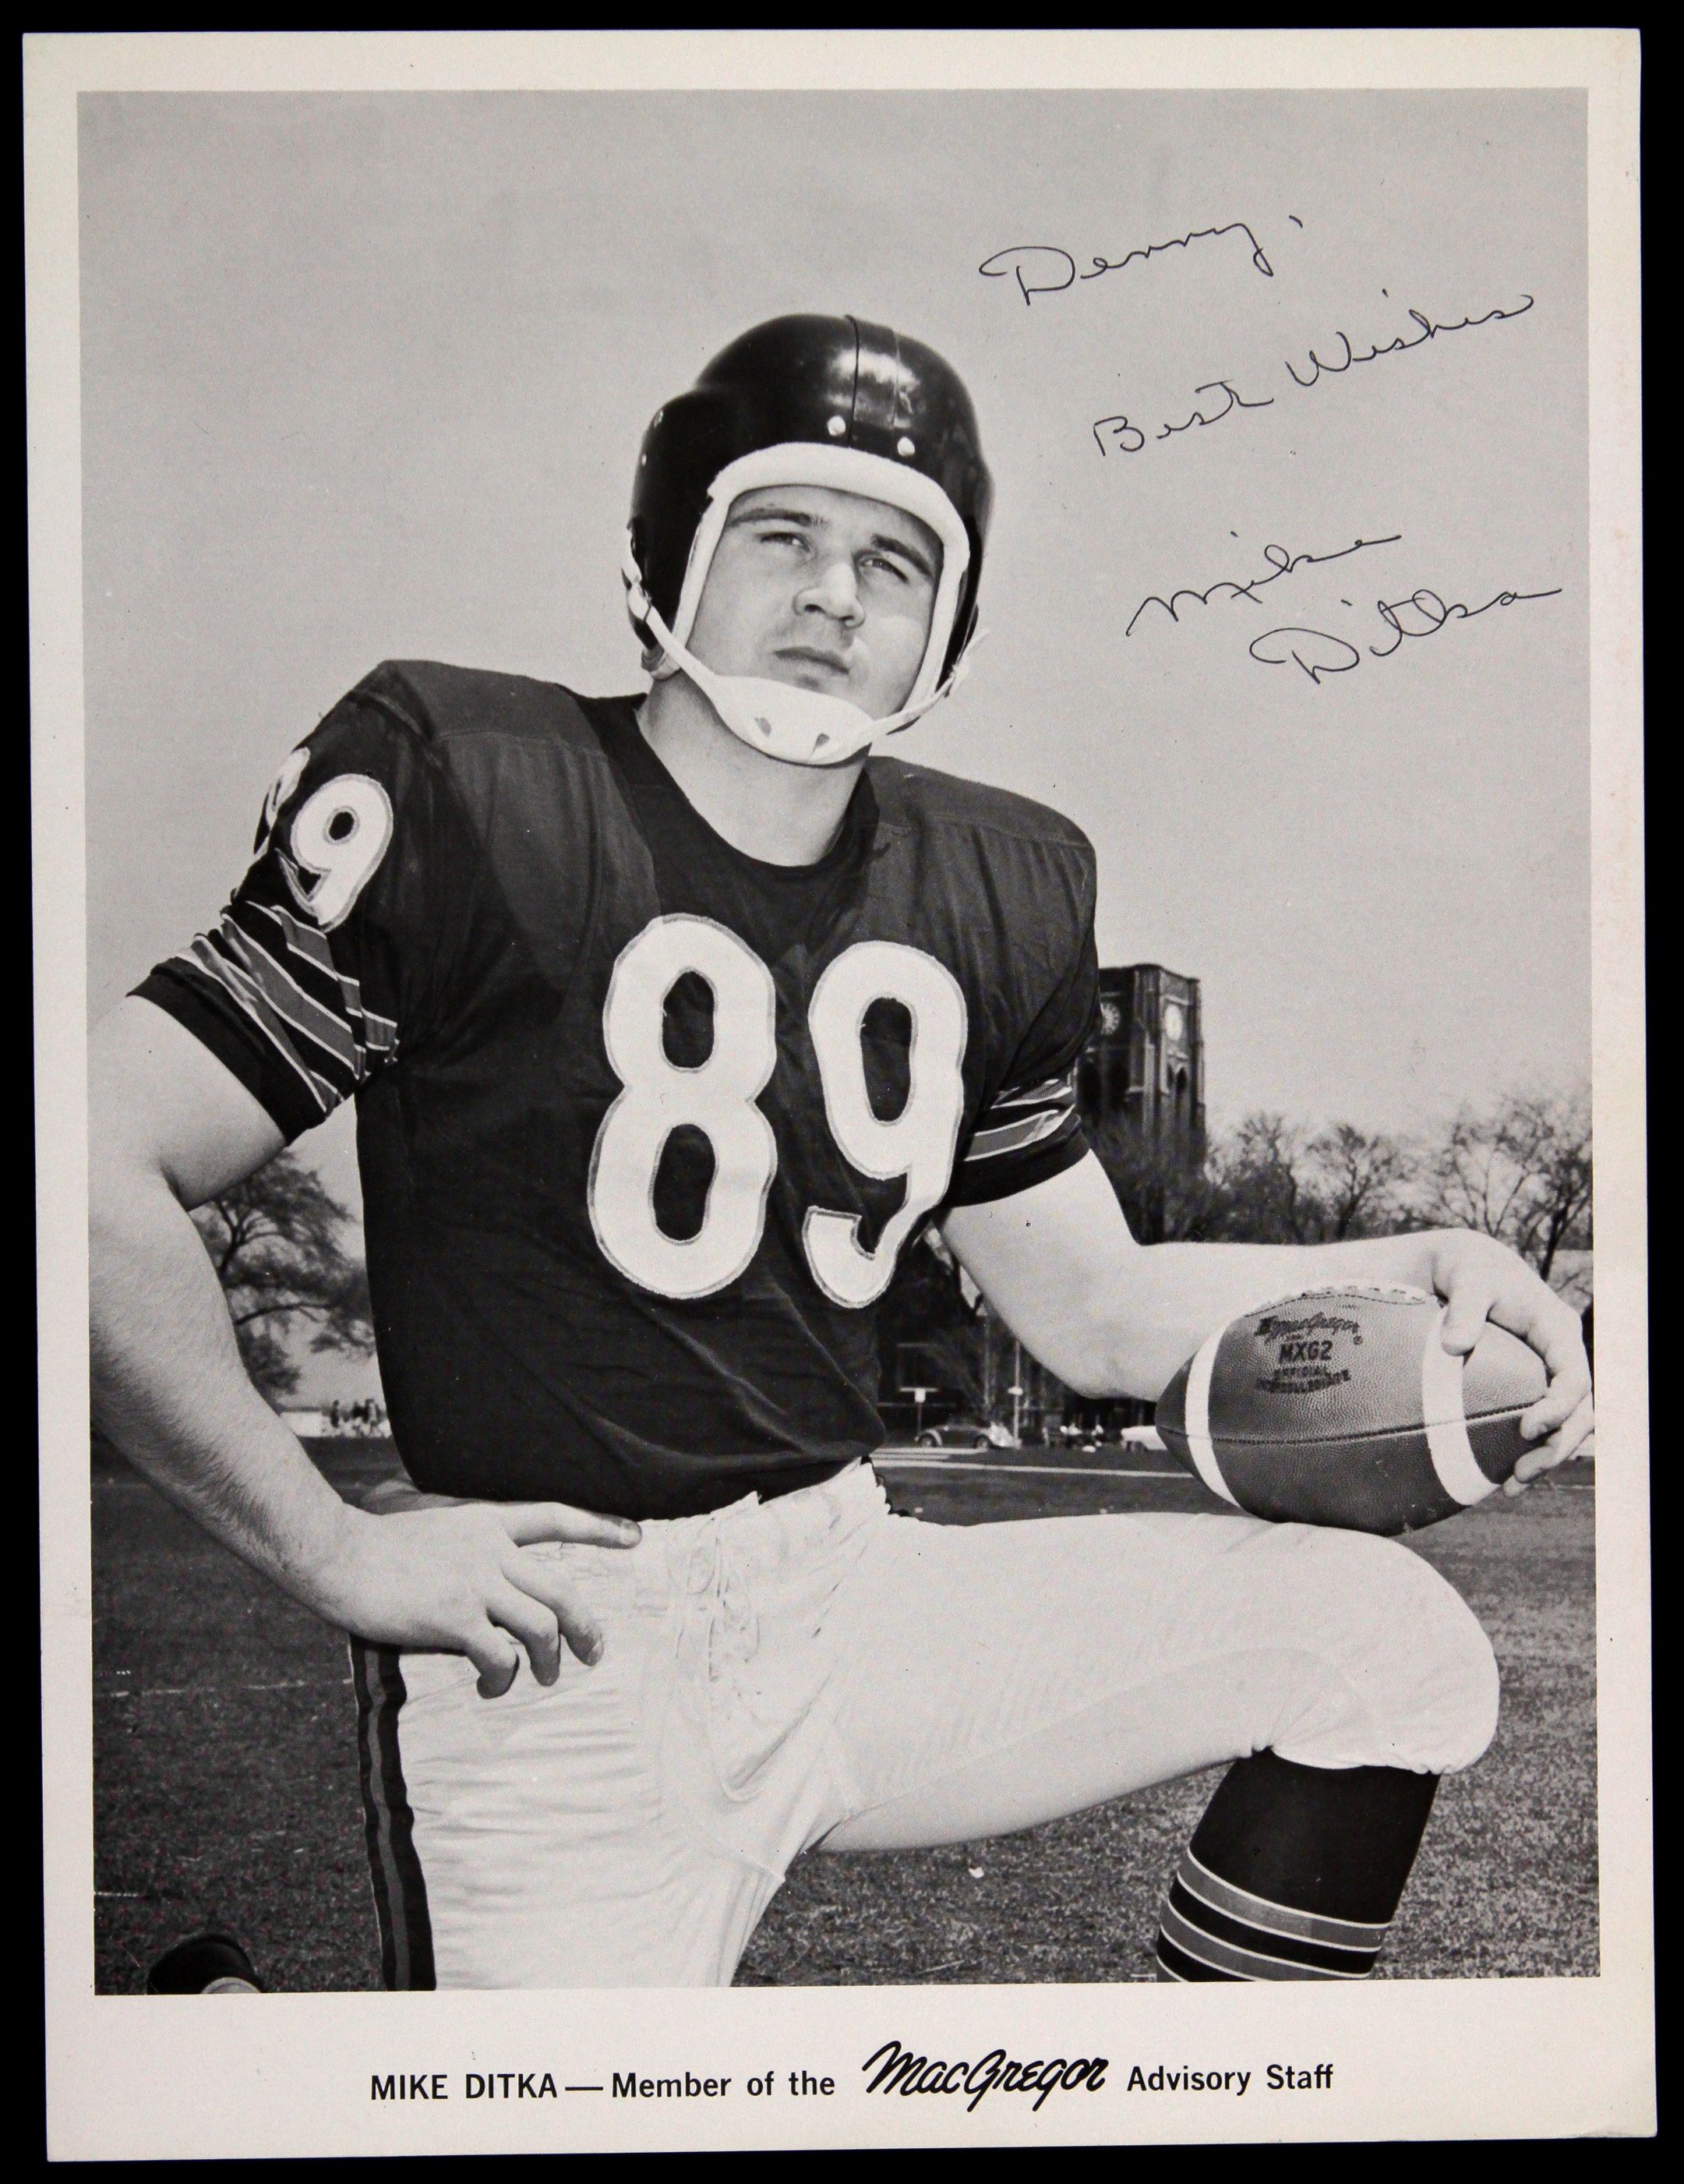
<point x="801" y="728"/>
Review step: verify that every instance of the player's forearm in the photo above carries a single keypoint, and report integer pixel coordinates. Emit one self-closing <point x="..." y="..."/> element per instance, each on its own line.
<point x="1161" y="1301"/>
<point x="170" y="1392"/>
<point x="1113" y="1317"/>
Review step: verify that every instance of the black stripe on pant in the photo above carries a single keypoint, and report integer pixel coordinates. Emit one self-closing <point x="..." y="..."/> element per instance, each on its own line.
<point x="400" y="1890"/>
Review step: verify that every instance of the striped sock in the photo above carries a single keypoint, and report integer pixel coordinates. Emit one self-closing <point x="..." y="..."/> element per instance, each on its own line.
<point x="1294" y="1873"/>
<point x="1209" y="1930"/>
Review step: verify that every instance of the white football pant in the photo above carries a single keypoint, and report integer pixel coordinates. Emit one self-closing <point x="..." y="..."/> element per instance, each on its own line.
<point x="816" y="1670"/>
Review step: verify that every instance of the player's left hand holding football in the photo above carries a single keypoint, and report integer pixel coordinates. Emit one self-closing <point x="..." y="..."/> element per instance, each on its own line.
<point x="1481" y="1280"/>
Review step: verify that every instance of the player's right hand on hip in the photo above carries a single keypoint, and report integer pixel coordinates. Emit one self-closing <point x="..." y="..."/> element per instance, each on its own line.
<point x="432" y="1573"/>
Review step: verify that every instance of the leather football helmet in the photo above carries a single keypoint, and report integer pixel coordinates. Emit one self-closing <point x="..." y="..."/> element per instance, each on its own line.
<point x="808" y="400"/>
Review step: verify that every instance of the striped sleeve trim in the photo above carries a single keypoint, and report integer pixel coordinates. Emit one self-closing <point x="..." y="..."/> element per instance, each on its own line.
<point x="204" y="957"/>
<point x="1012" y="1136"/>
<point x="303" y="942"/>
<point x="288" y="998"/>
<point x="1059" y="1091"/>
<point x="1031" y="1115"/>
<point x="281" y="976"/>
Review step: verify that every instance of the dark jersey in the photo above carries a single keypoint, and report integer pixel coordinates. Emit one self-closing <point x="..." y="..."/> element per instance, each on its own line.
<point x="644" y="1124"/>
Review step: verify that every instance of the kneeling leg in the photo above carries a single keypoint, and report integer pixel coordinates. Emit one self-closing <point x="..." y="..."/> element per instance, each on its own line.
<point x="1027" y="1671"/>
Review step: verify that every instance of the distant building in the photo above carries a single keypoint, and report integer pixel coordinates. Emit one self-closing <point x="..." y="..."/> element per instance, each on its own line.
<point x="1146" y="1059"/>
<point x="1144" y="1066"/>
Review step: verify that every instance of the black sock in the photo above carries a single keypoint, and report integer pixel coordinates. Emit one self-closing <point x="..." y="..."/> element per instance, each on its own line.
<point x="1293" y="1873"/>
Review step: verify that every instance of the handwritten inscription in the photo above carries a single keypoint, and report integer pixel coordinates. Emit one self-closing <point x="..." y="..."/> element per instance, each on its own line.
<point x="1430" y="331"/>
<point x="1281" y="563"/>
<point x="1317" y="651"/>
<point x="1236" y="401"/>
<point x="1422" y="614"/>
<point x="1045" y="269"/>
<point x="1118" y="434"/>
<point x="1130" y="438"/>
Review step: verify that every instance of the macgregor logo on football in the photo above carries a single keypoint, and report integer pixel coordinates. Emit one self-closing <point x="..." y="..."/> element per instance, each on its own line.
<point x="1318" y="1322"/>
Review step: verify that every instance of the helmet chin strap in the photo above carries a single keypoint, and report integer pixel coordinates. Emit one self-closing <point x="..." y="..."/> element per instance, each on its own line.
<point x="802" y="728"/>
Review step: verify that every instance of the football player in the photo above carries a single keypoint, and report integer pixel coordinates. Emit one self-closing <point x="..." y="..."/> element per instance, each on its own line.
<point x="672" y="1020"/>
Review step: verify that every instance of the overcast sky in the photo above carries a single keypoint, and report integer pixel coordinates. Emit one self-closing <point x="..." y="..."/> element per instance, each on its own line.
<point x="364" y="377"/>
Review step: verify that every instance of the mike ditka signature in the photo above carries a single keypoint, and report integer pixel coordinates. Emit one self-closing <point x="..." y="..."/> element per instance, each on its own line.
<point x="1318" y="652"/>
<point x="1281" y="563"/>
<point x="1118" y="434"/>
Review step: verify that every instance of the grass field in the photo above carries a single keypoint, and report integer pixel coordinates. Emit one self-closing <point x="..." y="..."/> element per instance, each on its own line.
<point x="225" y="1781"/>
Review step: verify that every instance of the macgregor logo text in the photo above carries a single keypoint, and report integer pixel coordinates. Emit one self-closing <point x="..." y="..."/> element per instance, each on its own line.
<point x="902" y="2071"/>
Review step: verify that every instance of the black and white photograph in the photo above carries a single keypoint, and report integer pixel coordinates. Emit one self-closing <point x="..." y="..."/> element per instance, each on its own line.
<point x="839" y="920"/>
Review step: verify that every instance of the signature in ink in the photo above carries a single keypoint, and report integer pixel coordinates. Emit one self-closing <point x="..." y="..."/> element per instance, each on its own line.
<point x="1319" y="652"/>
<point x="1430" y="331"/>
<point x="1130" y="438"/>
<point x="1281" y="563"/>
<point x="1236" y="401"/>
<point x="1120" y="435"/>
<point x="1059" y="266"/>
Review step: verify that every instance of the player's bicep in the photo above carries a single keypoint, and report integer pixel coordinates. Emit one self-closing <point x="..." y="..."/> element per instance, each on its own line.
<point x="1049" y="1259"/>
<point x="159" y="1101"/>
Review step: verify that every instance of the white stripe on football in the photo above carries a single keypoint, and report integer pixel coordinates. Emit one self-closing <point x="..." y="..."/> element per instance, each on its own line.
<point x="1341" y="1406"/>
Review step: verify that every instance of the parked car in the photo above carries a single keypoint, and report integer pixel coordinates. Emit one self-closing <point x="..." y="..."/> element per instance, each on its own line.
<point x="961" y="1433"/>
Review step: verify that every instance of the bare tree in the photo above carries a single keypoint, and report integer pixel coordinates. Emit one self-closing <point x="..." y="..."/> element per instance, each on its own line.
<point x="1522" y="1171"/>
<point x="1162" y="1182"/>
<point x="1265" y="1190"/>
<point x="1275" y="1183"/>
<point x="275" y="1240"/>
<point x="1358" y="1177"/>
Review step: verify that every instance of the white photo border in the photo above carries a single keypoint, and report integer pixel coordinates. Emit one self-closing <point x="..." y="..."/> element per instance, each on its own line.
<point x="1520" y="2058"/>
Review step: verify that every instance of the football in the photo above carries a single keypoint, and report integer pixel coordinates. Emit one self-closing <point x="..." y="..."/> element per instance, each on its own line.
<point x="1342" y="1406"/>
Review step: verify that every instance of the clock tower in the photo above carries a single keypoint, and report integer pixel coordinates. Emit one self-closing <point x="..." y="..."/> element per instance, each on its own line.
<point x="1145" y="1061"/>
